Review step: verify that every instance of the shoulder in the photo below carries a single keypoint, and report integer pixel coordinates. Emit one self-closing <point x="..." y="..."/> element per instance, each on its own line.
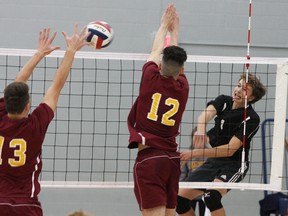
<point x="252" y="113"/>
<point x="183" y="79"/>
<point x="150" y="65"/>
<point x="43" y="111"/>
<point x="221" y="102"/>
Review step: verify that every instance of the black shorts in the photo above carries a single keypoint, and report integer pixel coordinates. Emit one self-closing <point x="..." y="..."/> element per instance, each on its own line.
<point x="224" y="170"/>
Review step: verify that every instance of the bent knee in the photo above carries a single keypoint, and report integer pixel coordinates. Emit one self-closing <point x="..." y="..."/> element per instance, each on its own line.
<point x="212" y="200"/>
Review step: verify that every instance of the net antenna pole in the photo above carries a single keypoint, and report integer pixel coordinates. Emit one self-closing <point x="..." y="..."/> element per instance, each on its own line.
<point x="246" y="89"/>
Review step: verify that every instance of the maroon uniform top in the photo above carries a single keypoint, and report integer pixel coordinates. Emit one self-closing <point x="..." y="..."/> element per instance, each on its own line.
<point x="157" y="112"/>
<point x="20" y="151"/>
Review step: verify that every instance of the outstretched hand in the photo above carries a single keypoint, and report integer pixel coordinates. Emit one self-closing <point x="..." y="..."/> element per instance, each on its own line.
<point x="44" y="42"/>
<point x="169" y="16"/>
<point x="174" y="27"/>
<point x="77" y="40"/>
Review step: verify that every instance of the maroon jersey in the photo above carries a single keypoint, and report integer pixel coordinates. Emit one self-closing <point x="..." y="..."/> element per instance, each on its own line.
<point x="20" y="151"/>
<point x="157" y="112"/>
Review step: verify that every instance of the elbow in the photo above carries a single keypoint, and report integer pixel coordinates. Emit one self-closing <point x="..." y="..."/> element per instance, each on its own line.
<point x="231" y="152"/>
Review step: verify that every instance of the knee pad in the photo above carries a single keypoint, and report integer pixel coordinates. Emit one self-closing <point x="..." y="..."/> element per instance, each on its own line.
<point x="183" y="205"/>
<point x="212" y="200"/>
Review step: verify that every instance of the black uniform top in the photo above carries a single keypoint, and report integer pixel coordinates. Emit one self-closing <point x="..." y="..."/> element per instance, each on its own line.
<point x="230" y="122"/>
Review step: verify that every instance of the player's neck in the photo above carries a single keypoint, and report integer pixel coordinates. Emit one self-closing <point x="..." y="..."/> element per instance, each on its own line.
<point x="17" y="116"/>
<point x="238" y="105"/>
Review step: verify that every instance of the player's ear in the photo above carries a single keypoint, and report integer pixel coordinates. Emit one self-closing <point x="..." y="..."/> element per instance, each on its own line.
<point x="160" y="66"/>
<point x="27" y="107"/>
<point x="251" y="98"/>
<point x="182" y="70"/>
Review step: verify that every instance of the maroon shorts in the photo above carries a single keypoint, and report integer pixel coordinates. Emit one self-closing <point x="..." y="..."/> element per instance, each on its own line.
<point x="20" y="207"/>
<point x="156" y="178"/>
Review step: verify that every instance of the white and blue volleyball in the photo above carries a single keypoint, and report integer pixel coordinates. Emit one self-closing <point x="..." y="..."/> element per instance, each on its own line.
<point x="101" y="34"/>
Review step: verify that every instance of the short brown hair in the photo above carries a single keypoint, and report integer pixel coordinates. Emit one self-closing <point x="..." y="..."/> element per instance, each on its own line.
<point x="16" y="96"/>
<point x="258" y="89"/>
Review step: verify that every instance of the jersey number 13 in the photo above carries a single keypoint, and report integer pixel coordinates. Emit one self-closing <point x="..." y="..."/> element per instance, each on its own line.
<point x="19" y="146"/>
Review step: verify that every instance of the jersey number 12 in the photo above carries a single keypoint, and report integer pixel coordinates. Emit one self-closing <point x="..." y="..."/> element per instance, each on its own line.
<point x="166" y="117"/>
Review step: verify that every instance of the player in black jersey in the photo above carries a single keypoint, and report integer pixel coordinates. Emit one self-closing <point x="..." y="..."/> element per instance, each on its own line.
<point x="226" y="138"/>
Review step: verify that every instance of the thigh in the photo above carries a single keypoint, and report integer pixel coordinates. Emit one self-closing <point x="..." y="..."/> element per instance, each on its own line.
<point x="204" y="173"/>
<point x="153" y="184"/>
<point x="172" y="184"/>
<point x="231" y="172"/>
<point x="157" y="211"/>
<point x="20" y="207"/>
<point x="190" y="193"/>
<point x="20" y="210"/>
<point x="170" y="212"/>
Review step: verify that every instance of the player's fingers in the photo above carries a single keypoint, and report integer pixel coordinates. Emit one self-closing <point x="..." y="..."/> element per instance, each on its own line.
<point x="83" y="30"/>
<point x="183" y="163"/>
<point x="52" y="38"/>
<point x="64" y="34"/>
<point x="86" y="36"/>
<point x="40" y="36"/>
<point x="55" y="48"/>
<point x="75" y="28"/>
<point x="45" y="34"/>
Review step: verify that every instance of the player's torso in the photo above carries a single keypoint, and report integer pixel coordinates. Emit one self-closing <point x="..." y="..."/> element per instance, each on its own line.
<point x="161" y="105"/>
<point x="20" y="162"/>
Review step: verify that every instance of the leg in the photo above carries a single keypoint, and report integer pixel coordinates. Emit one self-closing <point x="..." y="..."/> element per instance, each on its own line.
<point x="193" y="204"/>
<point x="202" y="207"/>
<point x="157" y="211"/>
<point x="184" y="197"/>
<point x="170" y="212"/>
<point x="212" y="200"/>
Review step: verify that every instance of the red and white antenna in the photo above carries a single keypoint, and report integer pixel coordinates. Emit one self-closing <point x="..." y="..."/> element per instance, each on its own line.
<point x="246" y="89"/>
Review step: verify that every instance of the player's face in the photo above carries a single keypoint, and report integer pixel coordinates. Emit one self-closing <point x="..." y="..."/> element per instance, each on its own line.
<point x="240" y="92"/>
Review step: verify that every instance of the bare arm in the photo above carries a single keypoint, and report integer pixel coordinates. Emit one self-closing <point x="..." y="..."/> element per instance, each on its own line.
<point x="74" y="43"/>
<point x="159" y="39"/>
<point x="200" y="138"/>
<point x="44" y="48"/>
<point x="226" y="150"/>
<point x="174" y="31"/>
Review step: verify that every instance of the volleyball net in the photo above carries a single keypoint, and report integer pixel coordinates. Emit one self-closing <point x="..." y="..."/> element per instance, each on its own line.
<point x="86" y="143"/>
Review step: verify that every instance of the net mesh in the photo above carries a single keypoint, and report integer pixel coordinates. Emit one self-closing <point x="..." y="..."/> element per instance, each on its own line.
<point x="86" y="143"/>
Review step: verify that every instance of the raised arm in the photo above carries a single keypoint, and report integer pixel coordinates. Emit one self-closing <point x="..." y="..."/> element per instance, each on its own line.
<point x="74" y="43"/>
<point x="174" y="31"/>
<point x="44" y="48"/>
<point x="200" y="137"/>
<point x="159" y="40"/>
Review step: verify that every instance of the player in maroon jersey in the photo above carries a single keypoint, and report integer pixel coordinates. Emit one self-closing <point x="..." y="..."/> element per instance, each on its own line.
<point x="154" y="119"/>
<point x="22" y="134"/>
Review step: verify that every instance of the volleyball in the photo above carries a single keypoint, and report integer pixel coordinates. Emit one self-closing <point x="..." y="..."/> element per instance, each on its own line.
<point x="101" y="34"/>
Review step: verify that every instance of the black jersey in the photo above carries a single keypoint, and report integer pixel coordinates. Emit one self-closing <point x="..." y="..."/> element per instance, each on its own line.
<point x="230" y="122"/>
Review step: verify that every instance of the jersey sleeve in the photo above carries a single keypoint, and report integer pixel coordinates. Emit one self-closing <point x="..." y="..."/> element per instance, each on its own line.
<point x="220" y="103"/>
<point x="135" y="138"/>
<point x="150" y="66"/>
<point x="42" y="116"/>
<point x="252" y="126"/>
